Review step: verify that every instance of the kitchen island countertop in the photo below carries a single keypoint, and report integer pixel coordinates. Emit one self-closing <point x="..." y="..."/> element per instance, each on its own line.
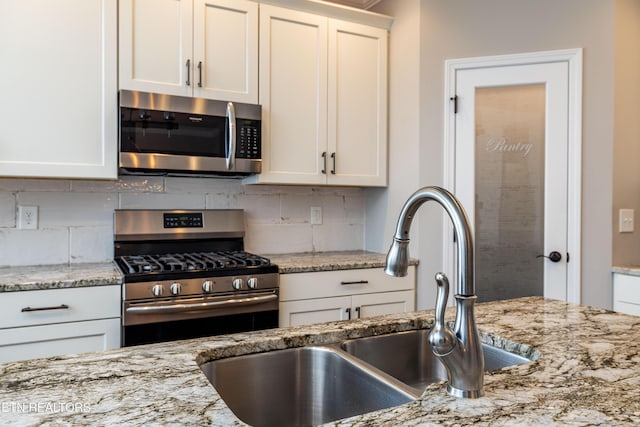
<point x="587" y="373"/>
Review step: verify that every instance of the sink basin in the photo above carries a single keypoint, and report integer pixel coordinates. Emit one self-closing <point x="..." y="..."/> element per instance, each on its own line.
<point x="318" y="384"/>
<point x="407" y="356"/>
<point x="302" y="386"/>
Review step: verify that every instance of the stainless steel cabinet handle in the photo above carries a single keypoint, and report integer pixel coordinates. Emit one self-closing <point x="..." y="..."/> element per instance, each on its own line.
<point x="188" y="72"/>
<point x="324" y="162"/>
<point x="348" y="310"/>
<point x="355" y="282"/>
<point x="56" y="307"/>
<point x="231" y="135"/>
<point x="333" y="156"/>
<point x="199" y="73"/>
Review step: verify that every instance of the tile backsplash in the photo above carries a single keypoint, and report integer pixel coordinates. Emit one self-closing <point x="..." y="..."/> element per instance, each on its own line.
<point x="75" y="218"/>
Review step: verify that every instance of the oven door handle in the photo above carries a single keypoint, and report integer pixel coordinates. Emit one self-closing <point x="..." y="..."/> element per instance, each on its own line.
<point x="154" y="308"/>
<point x="231" y="135"/>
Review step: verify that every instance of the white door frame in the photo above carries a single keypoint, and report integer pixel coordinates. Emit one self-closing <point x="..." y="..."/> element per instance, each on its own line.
<point x="573" y="57"/>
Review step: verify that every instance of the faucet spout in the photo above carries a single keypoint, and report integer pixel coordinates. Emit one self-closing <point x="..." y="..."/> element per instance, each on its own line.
<point x="398" y="256"/>
<point x="460" y="349"/>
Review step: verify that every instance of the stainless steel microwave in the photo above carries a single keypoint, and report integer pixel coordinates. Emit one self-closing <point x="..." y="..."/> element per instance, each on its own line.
<point x="176" y="135"/>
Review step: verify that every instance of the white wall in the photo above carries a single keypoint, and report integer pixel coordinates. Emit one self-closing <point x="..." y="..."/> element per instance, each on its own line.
<point x="626" y="179"/>
<point x="468" y="28"/>
<point x="383" y="205"/>
<point x="76" y="217"/>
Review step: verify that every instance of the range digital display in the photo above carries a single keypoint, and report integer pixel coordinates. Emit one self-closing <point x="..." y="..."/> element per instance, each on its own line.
<point x="183" y="220"/>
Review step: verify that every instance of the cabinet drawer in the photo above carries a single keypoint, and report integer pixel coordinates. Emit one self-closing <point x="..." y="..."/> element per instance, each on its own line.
<point x="626" y="288"/>
<point x="61" y="305"/>
<point x="297" y="286"/>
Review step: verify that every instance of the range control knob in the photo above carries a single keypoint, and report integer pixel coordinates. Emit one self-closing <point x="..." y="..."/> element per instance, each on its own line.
<point x="207" y="286"/>
<point x="157" y="290"/>
<point x="175" y="288"/>
<point x="237" y="284"/>
<point x="252" y="282"/>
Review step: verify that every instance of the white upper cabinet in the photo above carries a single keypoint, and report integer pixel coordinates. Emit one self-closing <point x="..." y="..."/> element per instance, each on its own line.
<point x="323" y="90"/>
<point x="357" y="127"/>
<point x="58" y="80"/>
<point x="201" y="48"/>
<point x="293" y="94"/>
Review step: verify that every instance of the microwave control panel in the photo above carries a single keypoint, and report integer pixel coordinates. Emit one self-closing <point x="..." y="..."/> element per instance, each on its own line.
<point x="248" y="143"/>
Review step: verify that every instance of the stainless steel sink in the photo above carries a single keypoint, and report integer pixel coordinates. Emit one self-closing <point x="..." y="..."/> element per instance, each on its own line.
<point x="302" y="386"/>
<point x="318" y="384"/>
<point x="407" y="356"/>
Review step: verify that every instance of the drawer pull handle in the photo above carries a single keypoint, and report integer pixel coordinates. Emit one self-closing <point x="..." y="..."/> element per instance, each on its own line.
<point x="57" y="307"/>
<point x="355" y="282"/>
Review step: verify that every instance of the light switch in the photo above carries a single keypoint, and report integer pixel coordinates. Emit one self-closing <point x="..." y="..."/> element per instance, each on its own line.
<point x="626" y="221"/>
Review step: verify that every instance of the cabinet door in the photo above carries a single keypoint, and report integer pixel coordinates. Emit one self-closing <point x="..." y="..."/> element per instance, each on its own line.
<point x="225" y="50"/>
<point x="293" y="94"/>
<point x="156" y="41"/>
<point x="306" y="312"/>
<point x="357" y="122"/>
<point x="58" y="82"/>
<point x="59" y="339"/>
<point x="369" y="305"/>
<point x="626" y="294"/>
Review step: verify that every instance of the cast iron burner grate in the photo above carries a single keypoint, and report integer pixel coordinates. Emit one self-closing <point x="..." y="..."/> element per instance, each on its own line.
<point x="199" y="261"/>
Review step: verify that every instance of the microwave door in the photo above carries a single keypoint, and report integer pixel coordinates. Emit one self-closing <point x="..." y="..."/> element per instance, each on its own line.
<point x="178" y="135"/>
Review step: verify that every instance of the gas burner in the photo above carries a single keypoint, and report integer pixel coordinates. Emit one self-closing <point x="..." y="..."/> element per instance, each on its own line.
<point x="190" y="262"/>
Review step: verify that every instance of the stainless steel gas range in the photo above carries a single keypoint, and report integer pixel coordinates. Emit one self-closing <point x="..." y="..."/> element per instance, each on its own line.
<point x="186" y="275"/>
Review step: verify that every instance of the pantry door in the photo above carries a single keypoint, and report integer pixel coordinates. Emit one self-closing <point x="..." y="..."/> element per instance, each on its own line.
<point x="516" y="170"/>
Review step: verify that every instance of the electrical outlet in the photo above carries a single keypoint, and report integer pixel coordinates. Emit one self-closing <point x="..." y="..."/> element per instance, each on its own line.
<point x="27" y="217"/>
<point x="626" y="221"/>
<point x="316" y="215"/>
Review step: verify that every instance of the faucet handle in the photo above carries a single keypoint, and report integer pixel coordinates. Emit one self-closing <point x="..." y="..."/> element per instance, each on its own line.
<point x="441" y="337"/>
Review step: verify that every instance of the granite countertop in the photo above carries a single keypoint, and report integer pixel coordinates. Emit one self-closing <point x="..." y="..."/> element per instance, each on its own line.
<point x="633" y="270"/>
<point x="329" y="261"/>
<point x="587" y="374"/>
<point x="30" y="278"/>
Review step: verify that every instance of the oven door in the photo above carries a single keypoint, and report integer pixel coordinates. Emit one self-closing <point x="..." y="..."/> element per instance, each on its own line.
<point x="154" y="311"/>
<point x="153" y="321"/>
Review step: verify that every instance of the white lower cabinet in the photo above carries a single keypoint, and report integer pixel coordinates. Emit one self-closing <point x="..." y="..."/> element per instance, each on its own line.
<point x="55" y="322"/>
<point x="626" y="294"/>
<point x="307" y="298"/>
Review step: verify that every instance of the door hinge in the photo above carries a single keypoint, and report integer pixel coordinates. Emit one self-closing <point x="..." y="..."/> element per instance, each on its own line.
<point x="454" y="99"/>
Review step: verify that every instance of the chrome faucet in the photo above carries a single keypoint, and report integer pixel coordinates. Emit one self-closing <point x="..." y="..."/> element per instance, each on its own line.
<point x="459" y="349"/>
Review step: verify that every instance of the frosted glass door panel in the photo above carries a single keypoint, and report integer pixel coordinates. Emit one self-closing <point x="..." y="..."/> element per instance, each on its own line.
<point x="509" y="176"/>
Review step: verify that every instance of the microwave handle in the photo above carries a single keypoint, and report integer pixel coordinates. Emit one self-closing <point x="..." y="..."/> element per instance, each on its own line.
<point x="231" y="135"/>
